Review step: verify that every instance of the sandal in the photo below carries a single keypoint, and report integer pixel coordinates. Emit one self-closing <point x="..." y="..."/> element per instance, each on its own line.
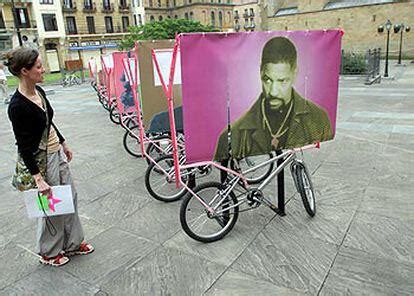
<point x="84" y="249"/>
<point x="56" y="261"/>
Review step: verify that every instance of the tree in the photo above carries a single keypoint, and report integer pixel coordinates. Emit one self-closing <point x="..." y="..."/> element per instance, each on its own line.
<point x="166" y="29"/>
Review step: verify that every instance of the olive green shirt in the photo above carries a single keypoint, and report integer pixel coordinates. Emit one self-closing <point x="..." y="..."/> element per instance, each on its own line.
<point x="307" y="124"/>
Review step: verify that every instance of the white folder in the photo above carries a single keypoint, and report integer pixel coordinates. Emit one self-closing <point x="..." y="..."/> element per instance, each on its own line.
<point x="59" y="202"/>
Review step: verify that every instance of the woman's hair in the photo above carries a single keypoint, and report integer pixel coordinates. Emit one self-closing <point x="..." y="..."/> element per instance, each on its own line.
<point x="19" y="58"/>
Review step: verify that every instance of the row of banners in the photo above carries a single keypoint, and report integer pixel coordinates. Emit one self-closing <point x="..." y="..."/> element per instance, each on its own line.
<point x="239" y="93"/>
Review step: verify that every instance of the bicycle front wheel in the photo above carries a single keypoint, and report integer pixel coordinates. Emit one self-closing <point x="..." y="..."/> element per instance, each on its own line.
<point x="131" y="142"/>
<point x="207" y="227"/>
<point x="256" y="176"/>
<point x="304" y="186"/>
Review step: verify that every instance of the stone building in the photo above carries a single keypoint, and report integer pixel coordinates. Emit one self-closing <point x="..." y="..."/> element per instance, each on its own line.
<point x="359" y="19"/>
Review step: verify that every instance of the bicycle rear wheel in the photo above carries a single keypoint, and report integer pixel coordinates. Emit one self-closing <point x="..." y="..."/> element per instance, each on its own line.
<point x="260" y="174"/>
<point x="131" y="142"/>
<point x="304" y="186"/>
<point x="198" y="223"/>
<point x="160" y="183"/>
<point x="114" y="115"/>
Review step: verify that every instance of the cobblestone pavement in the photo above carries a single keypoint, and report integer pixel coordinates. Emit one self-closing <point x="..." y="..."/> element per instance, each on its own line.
<point x="360" y="241"/>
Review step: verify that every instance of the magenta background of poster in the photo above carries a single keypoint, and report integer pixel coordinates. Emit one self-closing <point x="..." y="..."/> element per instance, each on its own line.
<point x="206" y="58"/>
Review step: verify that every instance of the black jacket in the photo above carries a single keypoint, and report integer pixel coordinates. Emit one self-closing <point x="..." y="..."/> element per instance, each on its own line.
<point x="29" y="121"/>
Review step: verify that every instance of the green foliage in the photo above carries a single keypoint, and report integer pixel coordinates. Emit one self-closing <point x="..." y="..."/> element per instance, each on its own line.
<point x="166" y="29"/>
<point x="353" y="63"/>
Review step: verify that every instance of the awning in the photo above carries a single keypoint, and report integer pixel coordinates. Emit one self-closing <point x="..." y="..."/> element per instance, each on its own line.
<point x="93" y="47"/>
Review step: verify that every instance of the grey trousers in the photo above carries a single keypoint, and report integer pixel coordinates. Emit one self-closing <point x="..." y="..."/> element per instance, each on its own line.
<point x="69" y="234"/>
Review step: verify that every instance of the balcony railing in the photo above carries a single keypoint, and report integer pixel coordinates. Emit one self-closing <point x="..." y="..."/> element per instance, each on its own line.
<point x="69" y="8"/>
<point x="91" y="7"/>
<point x="108" y="8"/>
<point x="124" y="7"/>
<point x="236" y="16"/>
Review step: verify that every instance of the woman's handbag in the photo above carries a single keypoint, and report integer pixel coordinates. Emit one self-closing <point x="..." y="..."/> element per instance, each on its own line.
<point x="22" y="179"/>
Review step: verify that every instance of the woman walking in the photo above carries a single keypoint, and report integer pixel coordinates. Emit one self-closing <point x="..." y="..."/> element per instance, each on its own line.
<point x="31" y="116"/>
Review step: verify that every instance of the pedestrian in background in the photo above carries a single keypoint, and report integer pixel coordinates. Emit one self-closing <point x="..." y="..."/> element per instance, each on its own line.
<point x="3" y="84"/>
<point x="31" y="116"/>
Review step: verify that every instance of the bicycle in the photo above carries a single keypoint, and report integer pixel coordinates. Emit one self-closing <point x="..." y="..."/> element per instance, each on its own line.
<point x="211" y="210"/>
<point x="70" y="79"/>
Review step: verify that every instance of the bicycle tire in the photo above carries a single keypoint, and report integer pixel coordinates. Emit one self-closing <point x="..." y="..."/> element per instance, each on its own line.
<point x="225" y="221"/>
<point x="131" y="142"/>
<point x="260" y="174"/>
<point x="114" y="115"/>
<point x="170" y="193"/>
<point x="304" y="186"/>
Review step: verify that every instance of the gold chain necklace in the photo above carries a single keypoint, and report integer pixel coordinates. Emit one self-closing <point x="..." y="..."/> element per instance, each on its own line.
<point x="280" y="132"/>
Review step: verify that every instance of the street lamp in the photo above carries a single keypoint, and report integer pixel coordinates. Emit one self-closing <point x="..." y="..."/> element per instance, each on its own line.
<point x="401" y="28"/>
<point x="388" y="26"/>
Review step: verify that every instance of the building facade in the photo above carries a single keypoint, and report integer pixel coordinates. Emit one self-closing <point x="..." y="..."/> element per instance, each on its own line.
<point x="359" y="19"/>
<point x="65" y="30"/>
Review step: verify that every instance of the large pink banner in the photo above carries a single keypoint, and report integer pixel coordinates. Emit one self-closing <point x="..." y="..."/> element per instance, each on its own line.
<point x="277" y="89"/>
<point x="123" y="89"/>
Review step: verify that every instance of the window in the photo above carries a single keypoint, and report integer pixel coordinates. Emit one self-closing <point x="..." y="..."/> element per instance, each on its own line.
<point x="109" y="25"/>
<point x="160" y="18"/>
<point x="213" y="19"/>
<point x="139" y="19"/>
<point x="46" y="1"/>
<point x="88" y="4"/>
<point x="2" y="24"/>
<point x="71" y="25"/>
<point x="91" y="24"/>
<point x="125" y="23"/>
<point x="191" y="15"/>
<point x="159" y="3"/>
<point x="123" y="3"/>
<point x="220" y="19"/>
<point x="176" y="16"/>
<point x="68" y="4"/>
<point x="186" y="15"/>
<point x="251" y="12"/>
<point x="135" y="20"/>
<point x="152" y="18"/>
<point x="49" y="22"/>
<point x="150" y="3"/>
<point x="22" y="18"/>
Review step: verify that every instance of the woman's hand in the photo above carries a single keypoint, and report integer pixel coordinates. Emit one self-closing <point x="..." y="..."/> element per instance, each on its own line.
<point x="42" y="186"/>
<point x="68" y="152"/>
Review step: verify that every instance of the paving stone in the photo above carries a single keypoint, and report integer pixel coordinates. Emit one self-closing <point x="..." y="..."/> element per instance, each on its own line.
<point x="114" y="206"/>
<point x="390" y="202"/>
<point x="157" y="221"/>
<point x="383" y="236"/>
<point x="10" y="272"/>
<point x="358" y="273"/>
<point x="115" y="251"/>
<point x="50" y="280"/>
<point x="166" y="272"/>
<point x="329" y="224"/>
<point x="240" y="284"/>
<point x="287" y="260"/>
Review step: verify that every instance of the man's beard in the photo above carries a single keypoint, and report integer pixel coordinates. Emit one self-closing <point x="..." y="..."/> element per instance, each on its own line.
<point x="275" y="103"/>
